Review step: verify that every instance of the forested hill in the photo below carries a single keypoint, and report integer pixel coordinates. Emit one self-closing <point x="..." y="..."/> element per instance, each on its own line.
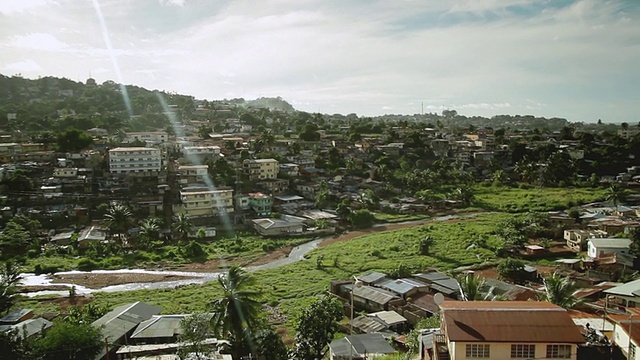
<point x="39" y="102"/>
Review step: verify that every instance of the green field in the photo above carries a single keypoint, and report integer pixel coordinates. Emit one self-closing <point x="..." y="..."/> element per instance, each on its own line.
<point x="512" y="199"/>
<point x="293" y="286"/>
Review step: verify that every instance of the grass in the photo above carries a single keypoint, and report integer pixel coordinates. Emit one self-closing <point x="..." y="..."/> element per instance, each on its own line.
<point x="512" y="199"/>
<point x="247" y="246"/>
<point x="395" y="218"/>
<point x="294" y="286"/>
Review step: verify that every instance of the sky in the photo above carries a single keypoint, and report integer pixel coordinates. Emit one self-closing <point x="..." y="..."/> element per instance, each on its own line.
<point x="577" y="59"/>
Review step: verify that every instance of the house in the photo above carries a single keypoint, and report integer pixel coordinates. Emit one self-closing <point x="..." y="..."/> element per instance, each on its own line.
<point x="202" y="201"/>
<point x="372" y="278"/>
<point x="90" y="235"/>
<point x="440" y="283"/>
<point x="260" y="204"/>
<point x="188" y="174"/>
<point x="373" y="299"/>
<point x="275" y="227"/>
<point x="148" y="137"/>
<point x="626" y="336"/>
<point x="625" y="295"/>
<point x="260" y="169"/>
<point x="289" y="169"/>
<point x="274" y="186"/>
<point x="577" y="239"/>
<point x="16" y="316"/>
<point x="135" y="161"/>
<point x="28" y="328"/>
<point x="361" y="346"/>
<point x="507" y="330"/>
<point x="63" y="238"/>
<point x="405" y="288"/>
<point x="159" y="329"/>
<point x="383" y="321"/>
<point x="602" y="246"/>
<point x="118" y="324"/>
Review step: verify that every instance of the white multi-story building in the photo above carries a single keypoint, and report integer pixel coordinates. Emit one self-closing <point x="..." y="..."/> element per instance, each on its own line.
<point x="201" y="151"/>
<point x="149" y="137"/>
<point x="135" y="160"/>
<point x="261" y="169"/>
<point x="203" y="202"/>
<point x="192" y="173"/>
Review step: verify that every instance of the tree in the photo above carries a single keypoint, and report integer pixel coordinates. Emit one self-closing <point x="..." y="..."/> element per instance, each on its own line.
<point x="149" y="231"/>
<point x="361" y="219"/>
<point x="9" y="281"/>
<point x="511" y="269"/>
<point x="182" y="226"/>
<point x="322" y="197"/>
<point x="471" y="287"/>
<point x="68" y="341"/>
<point x="316" y="327"/>
<point x="237" y="310"/>
<point x="194" y="330"/>
<point x="118" y="219"/>
<point x="615" y="194"/>
<point x="73" y="140"/>
<point x="13" y="346"/>
<point x="559" y="291"/>
<point x="425" y="245"/>
<point x="269" y="345"/>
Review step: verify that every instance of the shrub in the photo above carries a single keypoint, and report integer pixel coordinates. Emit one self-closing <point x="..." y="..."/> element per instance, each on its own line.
<point x="87" y="265"/>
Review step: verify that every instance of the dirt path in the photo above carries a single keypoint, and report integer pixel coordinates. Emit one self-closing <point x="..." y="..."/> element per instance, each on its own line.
<point x="97" y="281"/>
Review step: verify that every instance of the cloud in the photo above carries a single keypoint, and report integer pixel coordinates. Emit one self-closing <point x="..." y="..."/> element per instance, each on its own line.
<point x="38" y="41"/>
<point x="11" y="7"/>
<point x="179" y="3"/>
<point x="25" y="66"/>
<point x="574" y="58"/>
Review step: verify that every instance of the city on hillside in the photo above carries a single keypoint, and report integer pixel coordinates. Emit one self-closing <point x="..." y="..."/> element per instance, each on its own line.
<point x="178" y="228"/>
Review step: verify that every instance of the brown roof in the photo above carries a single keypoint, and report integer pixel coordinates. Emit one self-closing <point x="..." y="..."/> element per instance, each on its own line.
<point x="508" y="321"/>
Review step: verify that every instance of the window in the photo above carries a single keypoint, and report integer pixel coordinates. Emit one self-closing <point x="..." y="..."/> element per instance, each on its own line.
<point x="559" y="351"/>
<point x="477" y="351"/>
<point x="523" y="351"/>
<point x="632" y="351"/>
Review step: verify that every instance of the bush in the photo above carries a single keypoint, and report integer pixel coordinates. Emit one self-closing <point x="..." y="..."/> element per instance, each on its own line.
<point x="87" y="265"/>
<point x="194" y="250"/>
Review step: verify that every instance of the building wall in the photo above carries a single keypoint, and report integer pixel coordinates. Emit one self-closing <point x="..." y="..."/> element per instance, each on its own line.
<point x="501" y="351"/>
<point x="621" y="339"/>
<point x="134" y="160"/>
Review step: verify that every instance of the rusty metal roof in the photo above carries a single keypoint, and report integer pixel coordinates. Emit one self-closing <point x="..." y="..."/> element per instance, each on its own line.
<point x="508" y="321"/>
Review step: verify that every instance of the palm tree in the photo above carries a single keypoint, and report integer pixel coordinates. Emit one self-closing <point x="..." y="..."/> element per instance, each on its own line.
<point x="236" y="312"/>
<point x="615" y="194"/>
<point x="471" y="286"/>
<point x="182" y="225"/>
<point x="150" y="230"/>
<point x="118" y="219"/>
<point x="559" y="291"/>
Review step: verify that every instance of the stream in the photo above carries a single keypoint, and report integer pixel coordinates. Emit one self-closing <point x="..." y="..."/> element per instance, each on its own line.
<point x="296" y="254"/>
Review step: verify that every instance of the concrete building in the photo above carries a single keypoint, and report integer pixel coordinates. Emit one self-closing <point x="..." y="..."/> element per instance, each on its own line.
<point x="188" y="174"/>
<point x="598" y="247"/>
<point x="506" y="330"/>
<point x="205" y="202"/>
<point x="149" y="137"/>
<point x="260" y="204"/>
<point x="135" y="161"/>
<point x="261" y="169"/>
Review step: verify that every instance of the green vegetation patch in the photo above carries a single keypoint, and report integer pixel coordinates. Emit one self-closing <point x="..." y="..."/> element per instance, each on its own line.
<point x="513" y="199"/>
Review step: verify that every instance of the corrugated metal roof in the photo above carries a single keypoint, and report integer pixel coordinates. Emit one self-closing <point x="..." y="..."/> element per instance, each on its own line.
<point x="14" y="316"/>
<point x="119" y="321"/>
<point x="361" y="344"/>
<point x="390" y="318"/>
<point x="626" y="289"/>
<point x="373" y="277"/>
<point x="375" y="295"/>
<point x="159" y="326"/>
<point x="368" y="324"/>
<point x="610" y="242"/>
<point x="508" y="321"/>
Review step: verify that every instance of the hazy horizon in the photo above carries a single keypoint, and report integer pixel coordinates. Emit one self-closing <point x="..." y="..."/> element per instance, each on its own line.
<point x="574" y="59"/>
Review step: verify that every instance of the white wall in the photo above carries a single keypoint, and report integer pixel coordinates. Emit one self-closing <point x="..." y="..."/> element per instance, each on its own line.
<point x="500" y="351"/>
